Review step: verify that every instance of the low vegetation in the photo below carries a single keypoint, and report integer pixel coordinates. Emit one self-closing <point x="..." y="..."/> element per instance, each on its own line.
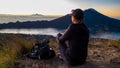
<point x="104" y="42"/>
<point x="12" y="47"/>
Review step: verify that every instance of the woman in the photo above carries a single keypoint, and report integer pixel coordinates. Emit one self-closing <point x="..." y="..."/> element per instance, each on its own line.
<point x="73" y="43"/>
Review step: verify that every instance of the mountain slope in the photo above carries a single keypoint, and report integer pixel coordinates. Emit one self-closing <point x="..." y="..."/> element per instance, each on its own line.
<point x="98" y="21"/>
<point x="93" y="19"/>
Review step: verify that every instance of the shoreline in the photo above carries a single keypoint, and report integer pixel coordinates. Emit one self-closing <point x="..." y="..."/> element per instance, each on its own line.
<point x="91" y="36"/>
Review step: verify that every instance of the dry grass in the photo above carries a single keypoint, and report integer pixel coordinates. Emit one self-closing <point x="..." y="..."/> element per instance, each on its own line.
<point x="12" y="49"/>
<point x="104" y="42"/>
<point x="54" y="45"/>
<point x="13" y="46"/>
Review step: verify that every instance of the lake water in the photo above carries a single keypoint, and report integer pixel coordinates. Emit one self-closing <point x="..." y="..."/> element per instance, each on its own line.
<point x="51" y="31"/>
<point x="47" y="31"/>
<point x="114" y="36"/>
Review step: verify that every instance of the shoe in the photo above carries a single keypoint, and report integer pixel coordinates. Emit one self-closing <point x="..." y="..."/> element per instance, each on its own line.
<point x="59" y="56"/>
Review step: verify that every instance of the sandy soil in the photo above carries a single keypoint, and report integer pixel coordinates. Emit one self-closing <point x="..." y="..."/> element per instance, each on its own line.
<point x="98" y="57"/>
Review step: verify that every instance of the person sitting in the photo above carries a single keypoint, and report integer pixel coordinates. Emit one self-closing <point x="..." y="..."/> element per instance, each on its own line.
<point x="73" y="43"/>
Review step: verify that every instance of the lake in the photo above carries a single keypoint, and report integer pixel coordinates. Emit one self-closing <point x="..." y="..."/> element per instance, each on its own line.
<point x="47" y="31"/>
<point x="53" y="32"/>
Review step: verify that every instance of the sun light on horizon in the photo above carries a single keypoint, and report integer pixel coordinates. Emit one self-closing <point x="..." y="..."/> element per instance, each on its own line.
<point x="58" y="7"/>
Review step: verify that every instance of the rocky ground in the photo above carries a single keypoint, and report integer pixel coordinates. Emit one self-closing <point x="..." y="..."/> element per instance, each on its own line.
<point x="102" y="53"/>
<point x="98" y="57"/>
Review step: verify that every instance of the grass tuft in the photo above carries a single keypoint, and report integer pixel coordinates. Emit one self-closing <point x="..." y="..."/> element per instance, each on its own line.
<point x="12" y="48"/>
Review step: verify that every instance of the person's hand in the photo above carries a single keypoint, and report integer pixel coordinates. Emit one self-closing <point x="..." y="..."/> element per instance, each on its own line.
<point x="59" y="34"/>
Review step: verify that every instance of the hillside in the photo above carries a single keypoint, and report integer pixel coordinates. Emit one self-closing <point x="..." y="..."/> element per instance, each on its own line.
<point x="102" y="53"/>
<point x="99" y="22"/>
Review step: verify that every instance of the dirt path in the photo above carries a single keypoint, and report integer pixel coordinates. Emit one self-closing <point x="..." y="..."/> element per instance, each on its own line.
<point x="98" y="57"/>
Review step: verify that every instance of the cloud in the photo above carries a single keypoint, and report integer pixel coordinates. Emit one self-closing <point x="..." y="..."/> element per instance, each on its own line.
<point x="36" y="6"/>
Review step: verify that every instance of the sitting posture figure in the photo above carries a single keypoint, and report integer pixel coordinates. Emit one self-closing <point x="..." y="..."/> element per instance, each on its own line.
<point x="73" y="43"/>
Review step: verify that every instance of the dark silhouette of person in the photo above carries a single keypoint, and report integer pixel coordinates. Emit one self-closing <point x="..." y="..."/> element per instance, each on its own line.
<point x="73" y="43"/>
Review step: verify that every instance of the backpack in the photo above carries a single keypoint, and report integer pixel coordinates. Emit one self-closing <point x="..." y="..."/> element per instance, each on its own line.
<point x="42" y="50"/>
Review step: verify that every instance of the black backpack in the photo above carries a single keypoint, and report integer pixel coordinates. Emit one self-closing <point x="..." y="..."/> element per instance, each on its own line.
<point x="42" y="50"/>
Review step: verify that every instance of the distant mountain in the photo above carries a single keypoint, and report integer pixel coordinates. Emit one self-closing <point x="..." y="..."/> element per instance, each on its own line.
<point x="37" y="14"/>
<point x="95" y="21"/>
<point x="99" y="22"/>
<point x="59" y="23"/>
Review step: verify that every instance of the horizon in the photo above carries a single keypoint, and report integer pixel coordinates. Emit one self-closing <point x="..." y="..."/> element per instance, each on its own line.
<point x="59" y="8"/>
<point x="54" y="15"/>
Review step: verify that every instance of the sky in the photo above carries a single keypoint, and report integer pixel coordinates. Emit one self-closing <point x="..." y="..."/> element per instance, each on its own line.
<point x="59" y="7"/>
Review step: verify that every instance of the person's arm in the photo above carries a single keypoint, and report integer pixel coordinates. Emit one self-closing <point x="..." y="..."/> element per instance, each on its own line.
<point x="66" y="34"/>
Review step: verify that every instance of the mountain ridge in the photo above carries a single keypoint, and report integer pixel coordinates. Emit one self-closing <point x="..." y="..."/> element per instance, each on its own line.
<point x="94" y="20"/>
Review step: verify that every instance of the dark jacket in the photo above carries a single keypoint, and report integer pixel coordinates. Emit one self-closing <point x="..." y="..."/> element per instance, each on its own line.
<point x="77" y="36"/>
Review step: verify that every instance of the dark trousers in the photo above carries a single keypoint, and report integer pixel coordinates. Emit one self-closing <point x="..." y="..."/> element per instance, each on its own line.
<point x="65" y="54"/>
<point x="64" y="51"/>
